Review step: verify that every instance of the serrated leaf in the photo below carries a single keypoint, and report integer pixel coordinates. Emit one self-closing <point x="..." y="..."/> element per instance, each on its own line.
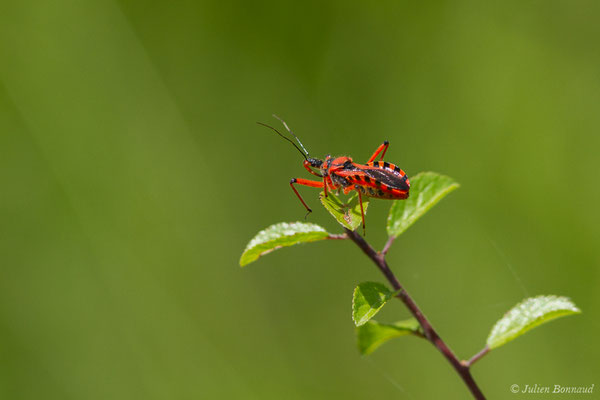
<point x="368" y="299"/>
<point x="426" y="189"/>
<point x="527" y="315"/>
<point x="281" y="235"/>
<point x="373" y="334"/>
<point x="346" y="213"/>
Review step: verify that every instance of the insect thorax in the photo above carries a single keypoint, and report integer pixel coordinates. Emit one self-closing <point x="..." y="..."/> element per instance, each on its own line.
<point x="340" y="180"/>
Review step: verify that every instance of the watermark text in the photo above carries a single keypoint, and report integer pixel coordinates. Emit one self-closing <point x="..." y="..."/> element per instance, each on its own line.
<point x="551" y="389"/>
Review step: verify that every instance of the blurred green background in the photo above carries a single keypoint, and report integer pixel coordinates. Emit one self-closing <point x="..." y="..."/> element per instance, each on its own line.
<point x="133" y="175"/>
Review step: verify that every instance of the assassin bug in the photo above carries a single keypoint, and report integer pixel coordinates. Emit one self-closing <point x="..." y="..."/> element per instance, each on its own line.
<point x="378" y="179"/>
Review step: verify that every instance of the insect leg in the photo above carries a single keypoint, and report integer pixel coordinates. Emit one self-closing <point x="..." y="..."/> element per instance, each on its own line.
<point x="347" y="190"/>
<point x="383" y="147"/>
<point x="305" y="182"/>
<point x="362" y="212"/>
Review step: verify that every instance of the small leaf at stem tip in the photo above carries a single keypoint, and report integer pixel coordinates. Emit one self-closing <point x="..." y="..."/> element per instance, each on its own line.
<point x="426" y="189"/>
<point x="281" y="235"/>
<point x="368" y="299"/>
<point x="527" y="315"/>
<point x="348" y="213"/>
<point x="373" y="334"/>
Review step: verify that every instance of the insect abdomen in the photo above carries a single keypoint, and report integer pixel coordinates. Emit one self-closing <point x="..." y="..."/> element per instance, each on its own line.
<point x="380" y="184"/>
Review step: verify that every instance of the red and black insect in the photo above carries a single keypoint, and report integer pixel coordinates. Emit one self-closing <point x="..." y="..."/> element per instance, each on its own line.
<point x="378" y="179"/>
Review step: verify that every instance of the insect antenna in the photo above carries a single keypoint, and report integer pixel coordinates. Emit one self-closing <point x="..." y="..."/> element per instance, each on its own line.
<point x="286" y="138"/>
<point x="290" y="131"/>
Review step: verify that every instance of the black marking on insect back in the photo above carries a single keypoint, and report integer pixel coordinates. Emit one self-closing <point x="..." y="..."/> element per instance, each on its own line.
<point x="396" y="168"/>
<point x="387" y="177"/>
<point x="367" y="179"/>
<point x="386" y="164"/>
<point x="329" y="161"/>
<point x="380" y="192"/>
<point x="358" y="178"/>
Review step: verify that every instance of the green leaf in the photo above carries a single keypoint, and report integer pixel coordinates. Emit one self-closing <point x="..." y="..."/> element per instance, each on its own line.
<point x="347" y="214"/>
<point x="426" y="189"/>
<point x="527" y="315"/>
<point x="368" y="299"/>
<point x="373" y="334"/>
<point x="281" y="235"/>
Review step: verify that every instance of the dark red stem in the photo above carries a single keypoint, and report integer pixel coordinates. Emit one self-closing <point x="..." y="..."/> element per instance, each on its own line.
<point x="462" y="368"/>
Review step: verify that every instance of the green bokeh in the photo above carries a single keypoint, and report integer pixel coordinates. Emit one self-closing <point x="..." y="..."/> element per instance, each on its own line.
<point x="133" y="175"/>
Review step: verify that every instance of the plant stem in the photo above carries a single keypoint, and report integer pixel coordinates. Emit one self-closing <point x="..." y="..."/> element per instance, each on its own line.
<point x="341" y="236"/>
<point x="463" y="369"/>
<point x="387" y="246"/>
<point x="477" y="356"/>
